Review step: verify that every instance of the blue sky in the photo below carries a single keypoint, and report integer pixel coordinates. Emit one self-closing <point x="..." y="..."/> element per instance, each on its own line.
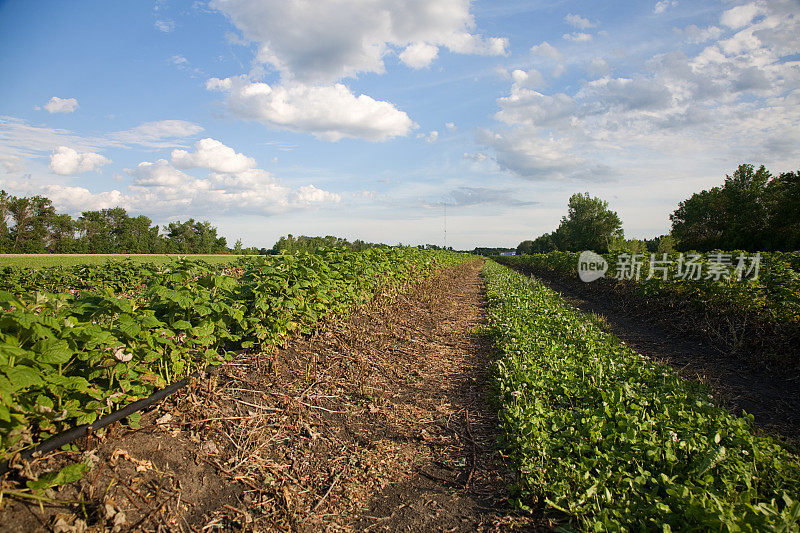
<point x="363" y="119"/>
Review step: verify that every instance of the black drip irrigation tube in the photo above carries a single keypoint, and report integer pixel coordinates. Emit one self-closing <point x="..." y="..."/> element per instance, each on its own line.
<point x="53" y="443"/>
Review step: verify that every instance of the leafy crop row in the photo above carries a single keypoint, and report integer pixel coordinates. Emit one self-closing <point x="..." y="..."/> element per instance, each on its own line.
<point x="773" y="296"/>
<point x="615" y="441"/>
<point x="67" y="359"/>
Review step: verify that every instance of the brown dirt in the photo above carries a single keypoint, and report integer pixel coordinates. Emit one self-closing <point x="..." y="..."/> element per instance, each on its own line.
<point x="379" y="422"/>
<point x="772" y="396"/>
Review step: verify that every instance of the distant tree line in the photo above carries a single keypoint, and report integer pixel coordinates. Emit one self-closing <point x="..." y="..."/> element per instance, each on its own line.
<point x="32" y="225"/>
<point x="487" y="251"/>
<point x="303" y="243"/>
<point x="752" y="210"/>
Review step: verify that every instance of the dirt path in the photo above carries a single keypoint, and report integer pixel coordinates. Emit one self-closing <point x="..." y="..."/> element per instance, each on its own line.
<point x="378" y="423"/>
<point x="772" y="397"/>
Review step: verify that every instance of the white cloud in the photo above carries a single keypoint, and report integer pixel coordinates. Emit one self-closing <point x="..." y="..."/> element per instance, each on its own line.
<point x="61" y="105"/>
<point x="547" y="50"/>
<point x="164" y="25"/>
<point x="579" y="22"/>
<point x="20" y="140"/>
<point x="213" y="155"/>
<point x="158" y="134"/>
<point x="311" y="194"/>
<point x="451" y="126"/>
<point x="419" y="55"/>
<point x="78" y="199"/>
<point x="531" y="78"/>
<point x="577" y="36"/>
<point x="736" y="98"/>
<point x="432" y="137"/>
<point x="159" y="174"/>
<point x="65" y="161"/>
<point x="739" y="16"/>
<point x="598" y="67"/>
<point x="663" y="5"/>
<point x="696" y="35"/>
<point x="328" y="40"/>
<point x="11" y="164"/>
<point x="328" y="112"/>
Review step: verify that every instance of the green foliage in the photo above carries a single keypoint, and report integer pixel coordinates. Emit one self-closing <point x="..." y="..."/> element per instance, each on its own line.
<point x="69" y="356"/>
<point x="751" y="211"/>
<point x="617" y="442"/>
<point x="68" y="474"/>
<point x="31" y="225"/>
<point x="588" y="225"/>
<point x="303" y="243"/>
<point x="774" y="296"/>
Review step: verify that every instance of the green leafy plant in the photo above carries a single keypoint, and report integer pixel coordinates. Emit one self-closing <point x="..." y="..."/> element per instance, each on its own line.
<point x="615" y="441"/>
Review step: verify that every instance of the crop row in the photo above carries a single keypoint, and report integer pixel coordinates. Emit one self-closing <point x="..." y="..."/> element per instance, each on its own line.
<point x="773" y="295"/>
<point x="67" y="359"/>
<point x="615" y="441"/>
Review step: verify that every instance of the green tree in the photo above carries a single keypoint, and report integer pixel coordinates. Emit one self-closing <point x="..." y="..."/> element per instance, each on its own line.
<point x="525" y="247"/>
<point x="588" y="225"/>
<point x="32" y="218"/>
<point x="746" y="214"/>
<point x="782" y="201"/>
<point x="5" y="212"/>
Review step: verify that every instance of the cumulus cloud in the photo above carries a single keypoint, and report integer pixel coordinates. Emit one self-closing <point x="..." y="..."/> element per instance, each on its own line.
<point x="159" y="174"/>
<point x="77" y="199"/>
<point x="310" y="194"/>
<point x="328" y="112"/>
<point x="212" y="154"/>
<point x="735" y="98"/>
<point x="419" y="55"/>
<point x="739" y="16"/>
<point x="159" y="186"/>
<point x="61" y="105"/>
<point x="579" y="22"/>
<point x="65" y="161"/>
<point x="328" y="40"/>
<point x="531" y="78"/>
<point x="233" y="183"/>
<point x="547" y="50"/>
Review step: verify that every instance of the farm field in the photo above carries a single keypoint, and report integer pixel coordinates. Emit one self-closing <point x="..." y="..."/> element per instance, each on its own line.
<point x="616" y="440"/>
<point x="380" y="412"/>
<point x="55" y="260"/>
<point x="755" y="318"/>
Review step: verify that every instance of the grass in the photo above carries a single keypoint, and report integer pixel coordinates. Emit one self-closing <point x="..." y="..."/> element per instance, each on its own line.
<point x="49" y="260"/>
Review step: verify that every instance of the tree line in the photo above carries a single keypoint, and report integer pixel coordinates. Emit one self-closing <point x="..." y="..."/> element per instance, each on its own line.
<point x="32" y="225"/>
<point x="752" y="211"/>
<point x="304" y="243"/>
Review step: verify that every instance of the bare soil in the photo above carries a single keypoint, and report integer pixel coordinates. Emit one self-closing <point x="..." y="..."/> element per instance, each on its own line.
<point x="379" y="422"/>
<point x="769" y="393"/>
